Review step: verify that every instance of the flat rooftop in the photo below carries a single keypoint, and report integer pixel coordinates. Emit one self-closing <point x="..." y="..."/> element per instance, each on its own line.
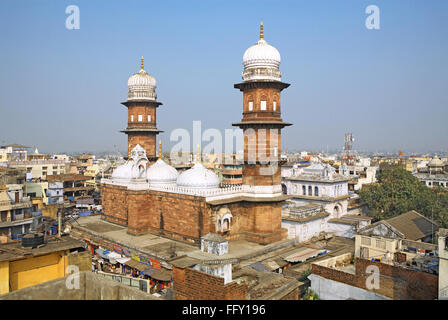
<point x="167" y="249"/>
<point x="15" y="251"/>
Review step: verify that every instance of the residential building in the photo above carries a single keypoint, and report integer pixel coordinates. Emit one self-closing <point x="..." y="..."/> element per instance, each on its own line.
<point x="15" y="212"/>
<point x="410" y="225"/>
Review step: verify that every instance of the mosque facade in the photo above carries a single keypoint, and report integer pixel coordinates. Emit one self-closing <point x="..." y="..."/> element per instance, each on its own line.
<point x="146" y="194"/>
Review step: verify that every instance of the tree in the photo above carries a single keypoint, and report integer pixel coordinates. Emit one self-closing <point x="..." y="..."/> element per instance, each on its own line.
<point x="398" y="191"/>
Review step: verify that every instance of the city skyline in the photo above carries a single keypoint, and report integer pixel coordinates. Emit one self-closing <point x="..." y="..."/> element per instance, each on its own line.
<point x="62" y="88"/>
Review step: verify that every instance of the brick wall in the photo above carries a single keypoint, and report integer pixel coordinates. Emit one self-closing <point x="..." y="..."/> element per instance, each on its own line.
<point x="395" y="282"/>
<point x="115" y="205"/>
<point x="192" y="284"/>
<point x="186" y="217"/>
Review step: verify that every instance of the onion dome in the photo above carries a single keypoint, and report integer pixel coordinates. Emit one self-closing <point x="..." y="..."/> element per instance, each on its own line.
<point x="142" y="86"/>
<point x="161" y="173"/>
<point x="123" y="172"/>
<point x="198" y="177"/>
<point x="261" y="61"/>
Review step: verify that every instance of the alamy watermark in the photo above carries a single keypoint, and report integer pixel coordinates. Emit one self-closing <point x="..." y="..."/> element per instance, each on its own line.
<point x="73" y="20"/>
<point x="262" y="146"/>
<point x="72" y="281"/>
<point x="373" y="20"/>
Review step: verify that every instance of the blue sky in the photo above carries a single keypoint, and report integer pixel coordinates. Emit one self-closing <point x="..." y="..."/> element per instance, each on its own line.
<point x="61" y="89"/>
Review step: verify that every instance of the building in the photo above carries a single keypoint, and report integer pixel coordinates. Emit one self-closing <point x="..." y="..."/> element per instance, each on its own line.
<point x="410" y="225"/>
<point x="318" y="203"/>
<point x="40" y="169"/>
<point x="148" y="196"/>
<point x="435" y="174"/>
<point x="22" y="267"/>
<point x="12" y="176"/>
<point x="73" y="186"/>
<point x="15" y="212"/>
<point x="232" y="174"/>
<point x="13" y="152"/>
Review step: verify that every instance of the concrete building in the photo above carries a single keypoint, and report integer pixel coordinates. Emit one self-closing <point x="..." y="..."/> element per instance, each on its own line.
<point x="318" y="203"/>
<point x="73" y="185"/>
<point x="15" y="212"/>
<point x="40" y="169"/>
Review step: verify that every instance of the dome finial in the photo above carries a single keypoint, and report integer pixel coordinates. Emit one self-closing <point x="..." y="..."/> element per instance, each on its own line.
<point x="160" y="149"/>
<point x="261" y="31"/>
<point x="141" y="64"/>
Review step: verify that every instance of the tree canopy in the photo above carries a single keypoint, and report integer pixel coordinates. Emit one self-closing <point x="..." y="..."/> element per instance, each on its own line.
<point x="398" y="191"/>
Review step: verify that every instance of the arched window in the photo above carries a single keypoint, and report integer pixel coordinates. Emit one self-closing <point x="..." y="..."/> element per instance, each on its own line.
<point x="304" y="190"/>
<point x="316" y="191"/>
<point x="310" y="190"/>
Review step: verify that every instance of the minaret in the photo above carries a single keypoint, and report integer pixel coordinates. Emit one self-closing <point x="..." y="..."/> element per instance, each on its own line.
<point x="262" y="122"/>
<point x="142" y="109"/>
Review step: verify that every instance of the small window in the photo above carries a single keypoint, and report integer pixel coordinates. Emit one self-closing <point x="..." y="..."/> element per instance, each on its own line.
<point x="149" y="118"/>
<point x="251" y="105"/>
<point x="140" y="118"/>
<point x="132" y="118"/>
<point x="274" y="105"/>
<point x="263" y="105"/>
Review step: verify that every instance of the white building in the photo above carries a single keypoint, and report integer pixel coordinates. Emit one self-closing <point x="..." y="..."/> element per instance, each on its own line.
<point x="318" y="204"/>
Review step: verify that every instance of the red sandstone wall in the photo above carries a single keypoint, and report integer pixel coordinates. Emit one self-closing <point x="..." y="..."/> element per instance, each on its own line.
<point x="191" y="284"/>
<point x="179" y="216"/>
<point x="395" y="282"/>
<point x="114" y="202"/>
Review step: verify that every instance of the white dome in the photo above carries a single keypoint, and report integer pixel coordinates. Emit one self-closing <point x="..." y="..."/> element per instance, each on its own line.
<point x="123" y="172"/>
<point x="142" y="86"/>
<point x="261" y="54"/>
<point x="261" y="61"/>
<point x="198" y="177"/>
<point x="161" y="173"/>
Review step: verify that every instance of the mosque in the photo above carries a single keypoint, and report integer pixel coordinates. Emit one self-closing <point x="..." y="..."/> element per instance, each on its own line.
<point x="146" y="194"/>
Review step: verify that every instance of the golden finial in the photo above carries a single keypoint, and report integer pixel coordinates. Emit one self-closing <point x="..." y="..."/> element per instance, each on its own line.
<point x="141" y="65"/>
<point x="261" y="31"/>
<point x="198" y="156"/>
<point x="160" y="149"/>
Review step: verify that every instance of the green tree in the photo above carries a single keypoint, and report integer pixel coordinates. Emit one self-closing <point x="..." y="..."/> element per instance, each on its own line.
<point x="398" y="191"/>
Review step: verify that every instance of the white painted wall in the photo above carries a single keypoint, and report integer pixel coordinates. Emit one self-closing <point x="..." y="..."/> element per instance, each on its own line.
<point x="332" y="290"/>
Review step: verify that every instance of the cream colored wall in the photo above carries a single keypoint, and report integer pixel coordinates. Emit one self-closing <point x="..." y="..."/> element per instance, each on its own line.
<point x="4" y="277"/>
<point x="34" y="270"/>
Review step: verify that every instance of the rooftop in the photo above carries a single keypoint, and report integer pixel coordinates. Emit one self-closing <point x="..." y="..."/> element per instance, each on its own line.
<point x="15" y="251"/>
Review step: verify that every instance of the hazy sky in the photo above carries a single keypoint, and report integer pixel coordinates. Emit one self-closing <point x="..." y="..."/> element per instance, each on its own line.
<point x="61" y="89"/>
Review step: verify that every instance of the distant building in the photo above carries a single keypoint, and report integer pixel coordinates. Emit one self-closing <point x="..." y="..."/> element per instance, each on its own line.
<point x="434" y="174"/>
<point x="73" y="186"/>
<point x="15" y="212"/>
